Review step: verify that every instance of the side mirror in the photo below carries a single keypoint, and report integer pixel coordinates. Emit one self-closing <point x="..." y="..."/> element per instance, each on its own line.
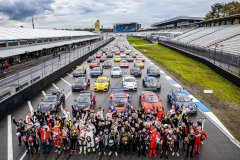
<point x="160" y="100"/>
<point x="145" y="107"/>
<point x="41" y="99"/>
<point x="158" y="80"/>
<point x="74" y="100"/>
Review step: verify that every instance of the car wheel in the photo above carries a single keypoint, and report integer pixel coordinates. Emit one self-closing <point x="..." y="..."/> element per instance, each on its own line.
<point x="63" y="100"/>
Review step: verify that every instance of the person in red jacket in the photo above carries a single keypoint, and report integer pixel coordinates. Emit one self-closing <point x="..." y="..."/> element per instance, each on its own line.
<point x="44" y="138"/>
<point x="153" y="145"/>
<point x="160" y="114"/>
<point x="56" y="135"/>
<point x="200" y="138"/>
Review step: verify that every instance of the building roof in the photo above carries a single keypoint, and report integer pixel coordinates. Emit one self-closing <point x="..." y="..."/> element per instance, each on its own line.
<point x="236" y="16"/>
<point x="10" y="34"/>
<point x="175" y="20"/>
<point x="125" y="23"/>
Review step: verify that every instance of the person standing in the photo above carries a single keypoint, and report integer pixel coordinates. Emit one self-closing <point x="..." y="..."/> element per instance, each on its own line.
<point x="143" y="138"/>
<point x="6" y="64"/>
<point x="20" y="127"/>
<point x="90" y="140"/>
<point x="73" y="139"/>
<point x="200" y="138"/>
<point x="112" y="137"/>
<point x="190" y="140"/>
<point x="153" y="144"/>
<point x="82" y="136"/>
<point x="45" y="136"/>
<point x="133" y="139"/>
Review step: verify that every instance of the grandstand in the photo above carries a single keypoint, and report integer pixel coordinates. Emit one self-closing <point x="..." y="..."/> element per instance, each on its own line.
<point x="126" y="27"/>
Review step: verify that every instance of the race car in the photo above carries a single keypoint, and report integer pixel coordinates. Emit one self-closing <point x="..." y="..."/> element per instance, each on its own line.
<point x="179" y="98"/>
<point x="117" y="59"/>
<point x="153" y="71"/>
<point x="86" y="99"/>
<point x="129" y="82"/>
<point x="151" y="83"/>
<point x="136" y="52"/>
<point x="129" y="58"/>
<point x="51" y="101"/>
<point x="99" y="55"/>
<point x="122" y="55"/>
<point x="96" y="71"/>
<point x="136" y="71"/>
<point x="120" y="101"/>
<point x="124" y="64"/>
<point x="81" y="84"/>
<point x="90" y="59"/>
<point x="107" y="64"/>
<point x="79" y="72"/>
<point x="102" y="83"/>
<point x="116" y="72"/>
<point x="122" y="49"/>
<point x="103" y="58"/>
<point x="150" y="101"/>
<point x="127" y="52"/>
<point x="117" y="53"/>
<point x="140" y="58"/>
<point x="94" y="63"/>
<point x="110" y="55"/>
<point x="139" y="63"/>
<point x="133" y="55"/>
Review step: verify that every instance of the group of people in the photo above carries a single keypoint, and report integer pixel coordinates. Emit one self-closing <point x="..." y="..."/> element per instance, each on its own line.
<point x="131" y="132"/>
<point x="4" y="66"/>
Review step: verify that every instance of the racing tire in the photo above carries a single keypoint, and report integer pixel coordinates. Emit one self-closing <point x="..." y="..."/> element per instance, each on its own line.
<point x="63" y="100"/>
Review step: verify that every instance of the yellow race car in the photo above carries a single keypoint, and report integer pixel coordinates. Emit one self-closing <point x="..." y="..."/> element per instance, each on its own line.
<point x="139" y="63"/>
<point x="140" y="58"/>
<point x="136" y="52"/>
<point x="117" y="59"/>
<point x="102" y="84"/>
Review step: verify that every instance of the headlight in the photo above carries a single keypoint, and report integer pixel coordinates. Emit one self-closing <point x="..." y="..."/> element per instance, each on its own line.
<point x="105" y="85"/>
<point x="95" y="85"/>
<point x="135" y="84"/>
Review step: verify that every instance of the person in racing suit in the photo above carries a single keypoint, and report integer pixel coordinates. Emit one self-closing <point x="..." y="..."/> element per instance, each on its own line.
<point x="19" y="127"/>
<point x="32" y="132"/>
<point x="56" y="136"/>
<point x="24" y="138"/>
<point x="153" y="145"/>
<point x="90" y="140"/>
<point x="123" y="138"/>
<point x="165" y="143"/>
<point x="112" y="137"/>
<point x="176" y="141"/>
<point x="73" y="139"/>
<point x="143" y="140"/>
<point x="82" y="141"/>
<point x="190" y="143"/>
<point x="65" y="136"/>
<point x="91" y="126"/>
<point x="133" y="140"/>
<point x="200" y="138"/>
<point x="107" y="127"/>
<point x="183" y="130"/>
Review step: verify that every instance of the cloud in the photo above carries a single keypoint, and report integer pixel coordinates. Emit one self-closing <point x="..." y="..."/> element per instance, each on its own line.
<point x="21" y="9"/>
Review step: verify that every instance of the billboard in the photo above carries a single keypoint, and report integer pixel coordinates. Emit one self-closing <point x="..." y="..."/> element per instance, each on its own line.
<point x="97" y="26"/>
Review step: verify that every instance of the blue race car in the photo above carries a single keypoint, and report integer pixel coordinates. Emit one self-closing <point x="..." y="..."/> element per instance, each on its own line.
<point x="179" y="98"/>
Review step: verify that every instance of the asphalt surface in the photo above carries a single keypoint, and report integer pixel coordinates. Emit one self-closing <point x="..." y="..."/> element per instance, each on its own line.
<point x="217" y="146"/>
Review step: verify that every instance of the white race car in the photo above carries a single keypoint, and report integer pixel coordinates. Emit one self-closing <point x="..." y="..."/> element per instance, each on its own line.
<point x="129" y="82"/>
<point x="116" y="72"/>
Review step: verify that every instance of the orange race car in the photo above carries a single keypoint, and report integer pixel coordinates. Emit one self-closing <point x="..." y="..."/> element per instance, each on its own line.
<point x="150" y="100"/>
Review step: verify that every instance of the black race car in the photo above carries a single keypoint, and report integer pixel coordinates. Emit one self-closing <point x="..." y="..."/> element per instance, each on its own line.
<point x="151" y="83"/>
<point x="110" y="55"/>
<point x="107" y="64"/>
<point x="81" y="84"/>
<point x="136" y="71"/>
<point x="96" y="71"/>
<point x="103" y="58"/>
<point x="153" y="71"/>
<point x="129" y="58"/>
<point x="51" y="101"/>
<point x="80" y="71"/>
<point x="90" y="59"/>
<point x="86" y="99"/>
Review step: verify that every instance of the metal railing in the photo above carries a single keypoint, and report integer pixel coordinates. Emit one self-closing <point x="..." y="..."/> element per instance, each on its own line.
<point x="22" y="79"/>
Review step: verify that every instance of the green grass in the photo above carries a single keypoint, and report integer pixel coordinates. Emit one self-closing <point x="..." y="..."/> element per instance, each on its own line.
<point x="197" y="77"/>
<point x="135" y="41"/>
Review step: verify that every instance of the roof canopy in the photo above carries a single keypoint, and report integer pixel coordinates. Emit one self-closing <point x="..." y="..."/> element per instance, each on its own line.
<point x="232" y="17"/>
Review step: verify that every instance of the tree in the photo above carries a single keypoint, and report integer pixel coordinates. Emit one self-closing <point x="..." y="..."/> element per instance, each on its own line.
<point x="231" y="8"/>
<point x="208" y="16"/>
<point x="217" y="9"/>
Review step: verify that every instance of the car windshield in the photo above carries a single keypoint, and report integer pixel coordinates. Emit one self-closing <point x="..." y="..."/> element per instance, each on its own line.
<point x="182" y="97"/>
<point x="151" y="80"/>
<point x="101" y="80"/>
<point x="94" y="62"/>
<point x="80" y="80"/>
<point x="103" y="57"/>
<point x="129" y="80"/>
<point x="124" y="61"/>
<point x="139" y="62"/>
<point x="106" y="62"/>
<point x="116" y="69"/>
<point x="120" y="99"/>
<point x="90" y="57"/>
<point x="83" y="99"/>
<point x="79" y="69"/>
<point x="96" y="69"/>
<point x="50" y="99"/>
<point x="98" y="53"/>
<point x="117" y="57"/>
<point x="135" y="69"/>
<point x="129" y="57"/>
<point x="151" y="99"/>
<point x="153" y="69"/>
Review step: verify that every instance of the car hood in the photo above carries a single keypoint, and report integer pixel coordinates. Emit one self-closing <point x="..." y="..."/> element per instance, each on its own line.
<point x="96" y="71"/>
<point x="47" y="106"/>
<point x="79" y="84"/>
<point x="153" y="84"/>
<point x="135" y="72"/>
<point x="152" y="106"/>
<point x="116" y="72"/>
<point x="78" y="72"/>
<point x="119" y="106"/>
<point x="81" y="106"/>
<point x="130" y="83"/>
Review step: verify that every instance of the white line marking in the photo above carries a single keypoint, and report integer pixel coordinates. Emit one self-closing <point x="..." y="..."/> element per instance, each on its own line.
<point x="177" y="85"/>
<point x="43" y="93"/>
<point x="10" y="147"/>
<point x="23" y="155"/>
<point x="194" y="99"/>
<point x="168" y="78"/>
<point x="30" y="107"/>
<point x="65" y="81"/>
<point x="55" y="86"/>
<point x="68" y="95"/>
<point x="70" y="75"/>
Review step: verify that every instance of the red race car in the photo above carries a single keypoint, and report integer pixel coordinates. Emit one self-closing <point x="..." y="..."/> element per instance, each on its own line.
<point x="150" y="101"/>
<point x="117" y="53"/>
<point x="94" y="63"/>
<point x="99" y="55"/>
<point x="124" y="64"/>
<point x="120" y="101"/>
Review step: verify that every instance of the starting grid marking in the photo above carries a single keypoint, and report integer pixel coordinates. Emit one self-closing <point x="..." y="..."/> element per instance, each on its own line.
<point x="201" y="106"/>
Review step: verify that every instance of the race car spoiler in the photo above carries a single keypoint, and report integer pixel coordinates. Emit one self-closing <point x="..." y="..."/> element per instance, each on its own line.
<point x="148" y="74"/>
<point x="87" y="91"/>
<point x="119" y="89"/>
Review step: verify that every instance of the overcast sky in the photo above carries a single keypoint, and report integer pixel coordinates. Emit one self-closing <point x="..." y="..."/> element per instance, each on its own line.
<point x="63" y="14"/>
